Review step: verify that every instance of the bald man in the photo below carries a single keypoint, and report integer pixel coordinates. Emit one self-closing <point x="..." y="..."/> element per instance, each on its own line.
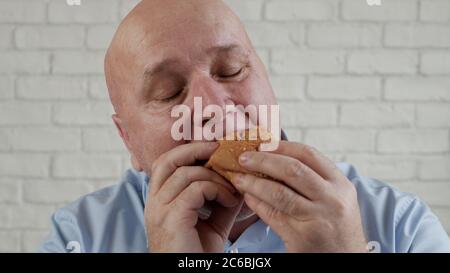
<point x="167" y="52"/>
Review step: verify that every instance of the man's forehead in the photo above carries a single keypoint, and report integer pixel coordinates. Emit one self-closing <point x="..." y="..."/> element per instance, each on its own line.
<point x="157" y="26"/>
<point x="159" y="31"/>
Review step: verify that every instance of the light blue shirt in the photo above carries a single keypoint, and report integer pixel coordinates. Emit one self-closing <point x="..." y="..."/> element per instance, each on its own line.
<point x="112" y="220"/>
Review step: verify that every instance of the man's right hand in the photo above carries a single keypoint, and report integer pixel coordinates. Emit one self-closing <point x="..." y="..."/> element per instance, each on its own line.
<point x="178" y="190"/>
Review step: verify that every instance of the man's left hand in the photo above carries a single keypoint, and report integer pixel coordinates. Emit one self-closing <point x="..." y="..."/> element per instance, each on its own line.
<point x="307" y="201"/>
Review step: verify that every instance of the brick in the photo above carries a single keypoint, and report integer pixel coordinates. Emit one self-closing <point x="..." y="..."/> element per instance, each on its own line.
<point x="100" y="36"/>
<point x="307" y="62"/>
<point x="417" y="36"/>
<point x="24" y="113"/>
<point x="78" y="63"/>
<point x="22" y="11"/>
<point x="249" y="10"/>
<point x="126" y="163"/>
<point x="93" y="113"/>
<point x="435" y="168"/>
<point x="98" y="89"/>
<point x="435" y="62"/>
<point x="92" y="11"/>
<point x="24" y="165"/>
<point x="10" y="241"/>
<point x="6" y="32"/>
<point x="418" y="89"/>
<point x="101" y="184"/>
<point x="5" y="140"/>
<point x="376" y="115"/>
<point x="433" y="115"/>
<point x="316" y="10"/>
<point x="434" y="194"/>
<point x="335" y="157"/>
<point x="341" y="140"/>
<point x="86" y="166"/>
<point x="384" y="167"/>
<point x="32" y="239"/>
<point x="28" y="37"/>
<point x="44" y="192"/>
<point x="413" y="141"/>
<point x="126" y="6"/>
<point x="288" y="87"/>
<point x="9" y="190"/>
<point x="344" y="35"/>
<point x="24" y="62"/>
<point x="391" y="10"/>
<point x="443" y="213"/>
<point x="52" y="87"/>
<point x="294" y="134"/>
<point x="26" y="216"/>
<point x="383" y="62"/>
<point x="308" y="114"/>
<point x="45" y="139"/>
<point x="7" y="85"/>
<point x="102" y="140"/>
<point x="344" y="88"/>
<point x="281" y="34"/>
<point x="435" y="11"/>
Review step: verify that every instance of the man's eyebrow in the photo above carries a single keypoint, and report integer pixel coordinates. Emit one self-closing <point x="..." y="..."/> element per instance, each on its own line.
<point x="163" y="65"/>
<point x="225" y="48"/>
<point x="159" y="67"/>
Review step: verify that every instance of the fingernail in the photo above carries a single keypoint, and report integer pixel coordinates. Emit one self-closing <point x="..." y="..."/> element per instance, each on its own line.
<point x="237" y="179"/>
<point x="212" y="144"/>
<point x="244" y="158"/>
<point x="237" y="182"/>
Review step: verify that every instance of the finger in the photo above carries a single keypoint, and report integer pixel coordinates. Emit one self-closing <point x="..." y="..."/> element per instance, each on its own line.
<point x="290" y="171"/>
<point x="276" y="219"/>
<point x="311" y="157"/>
<point x="183" y="177"/>
<point x="195" y="195"/>
<point x="182" y="155"/>
<point x="275" y="194"/>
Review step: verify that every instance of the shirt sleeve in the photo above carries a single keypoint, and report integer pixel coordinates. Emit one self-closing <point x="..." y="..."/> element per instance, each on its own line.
<point x="418" y="229"/>
<point x="64" y="236"/>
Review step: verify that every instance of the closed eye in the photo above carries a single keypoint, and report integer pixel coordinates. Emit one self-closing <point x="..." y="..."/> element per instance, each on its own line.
<point x="172" y="97"/>
<point x="233" y="74"/>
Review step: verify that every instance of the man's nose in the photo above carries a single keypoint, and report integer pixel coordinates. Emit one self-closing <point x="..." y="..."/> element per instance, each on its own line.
<point x="211" y="91"/>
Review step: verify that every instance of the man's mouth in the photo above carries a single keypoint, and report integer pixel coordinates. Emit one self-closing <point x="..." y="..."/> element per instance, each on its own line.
<point x="237" y="121"/>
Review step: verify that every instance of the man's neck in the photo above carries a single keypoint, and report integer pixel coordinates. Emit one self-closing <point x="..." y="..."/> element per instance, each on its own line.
<point x="240" y="227"/>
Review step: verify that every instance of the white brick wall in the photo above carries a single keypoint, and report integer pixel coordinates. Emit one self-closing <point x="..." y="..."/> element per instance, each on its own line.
<point x="368" y="85"/>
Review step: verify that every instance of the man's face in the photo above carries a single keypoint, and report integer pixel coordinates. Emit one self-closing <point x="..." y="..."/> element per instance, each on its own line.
<point x="195" y="53"/>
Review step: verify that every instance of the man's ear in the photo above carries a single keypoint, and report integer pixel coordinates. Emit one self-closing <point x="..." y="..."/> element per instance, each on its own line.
<point x="126" y="140"/>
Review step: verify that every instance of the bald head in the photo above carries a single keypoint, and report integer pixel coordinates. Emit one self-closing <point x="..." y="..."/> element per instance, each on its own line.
<point x="159" y="30"/>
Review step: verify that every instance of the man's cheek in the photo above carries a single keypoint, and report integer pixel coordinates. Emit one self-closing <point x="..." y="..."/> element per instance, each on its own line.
<point x="152" y="148"/>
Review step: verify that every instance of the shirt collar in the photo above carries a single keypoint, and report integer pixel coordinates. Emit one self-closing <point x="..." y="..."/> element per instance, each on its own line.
<point x="254" y="235"/>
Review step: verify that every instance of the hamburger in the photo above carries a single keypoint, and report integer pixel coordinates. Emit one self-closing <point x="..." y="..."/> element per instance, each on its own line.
<point x="225" y="160"/>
